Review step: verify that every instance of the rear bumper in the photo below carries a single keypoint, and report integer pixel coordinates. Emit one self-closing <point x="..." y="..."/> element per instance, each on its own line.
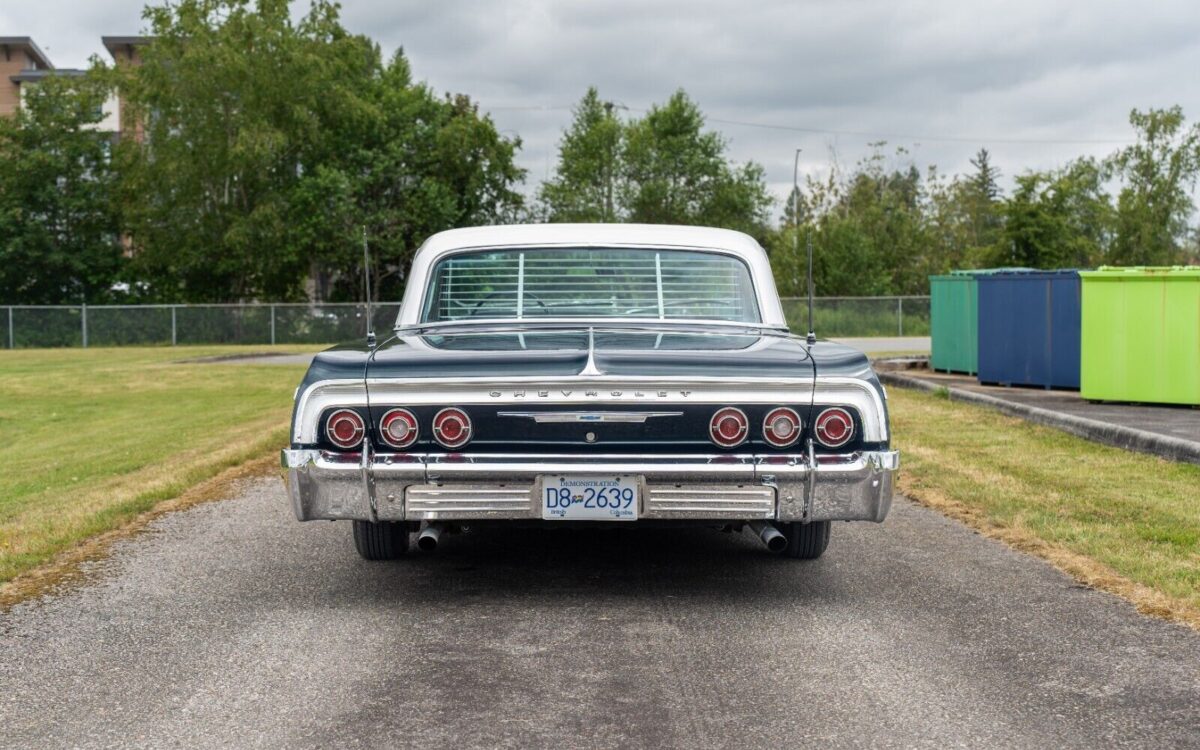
<point x="447" y="487"/>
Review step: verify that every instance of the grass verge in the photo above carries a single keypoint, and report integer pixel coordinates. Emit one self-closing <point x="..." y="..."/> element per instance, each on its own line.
<point x="96" y="438"/>
<point x="1118" y="521"/>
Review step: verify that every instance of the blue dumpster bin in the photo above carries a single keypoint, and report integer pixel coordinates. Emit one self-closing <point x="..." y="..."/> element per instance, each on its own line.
<point x="1029" y="328"/>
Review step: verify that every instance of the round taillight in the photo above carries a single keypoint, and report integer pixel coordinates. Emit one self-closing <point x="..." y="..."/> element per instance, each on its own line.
<point x="728" y="427"/>
<point x="344" y="428"/>
<point x="398" y="428"/>
<point x="834" y="427"/>
<point x="452" y="427"/>
<point x="781" y="427"/>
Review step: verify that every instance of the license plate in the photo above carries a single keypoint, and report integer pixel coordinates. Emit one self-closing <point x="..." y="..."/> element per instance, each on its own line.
<point x="590" y="498"/>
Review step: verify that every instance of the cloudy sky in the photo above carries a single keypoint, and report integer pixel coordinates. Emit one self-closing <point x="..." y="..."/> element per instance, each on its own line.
<point x="1036" y="82"/>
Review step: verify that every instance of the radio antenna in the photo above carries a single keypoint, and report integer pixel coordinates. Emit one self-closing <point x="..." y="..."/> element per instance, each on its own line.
<point x="367" y="285"/>
<point x="812" y="334"/>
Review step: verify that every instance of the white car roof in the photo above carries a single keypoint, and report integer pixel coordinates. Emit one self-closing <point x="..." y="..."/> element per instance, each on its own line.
<point x="727" y="241"/>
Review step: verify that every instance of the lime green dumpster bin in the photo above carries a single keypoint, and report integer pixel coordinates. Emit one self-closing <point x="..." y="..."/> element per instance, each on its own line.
<point x="1141" y="335"/>
<point x="954" y="320"/>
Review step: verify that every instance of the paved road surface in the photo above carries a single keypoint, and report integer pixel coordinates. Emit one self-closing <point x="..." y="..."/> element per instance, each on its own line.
<point x="231" y="625"/>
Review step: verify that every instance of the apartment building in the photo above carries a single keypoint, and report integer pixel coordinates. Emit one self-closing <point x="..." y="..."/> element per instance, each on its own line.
<point x="23" y="64"/>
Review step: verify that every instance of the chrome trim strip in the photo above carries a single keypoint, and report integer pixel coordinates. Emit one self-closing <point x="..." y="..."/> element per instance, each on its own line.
<point x="569" y="417"/>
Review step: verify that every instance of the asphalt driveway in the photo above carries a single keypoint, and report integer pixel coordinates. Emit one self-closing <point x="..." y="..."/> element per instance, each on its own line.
<point x="231" y="625"/>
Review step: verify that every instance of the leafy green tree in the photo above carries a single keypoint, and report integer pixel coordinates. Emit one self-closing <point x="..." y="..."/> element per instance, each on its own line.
<point x="590" y="154"/>
<point x="868" y="228"/>
<point x="416" y="165"/>
<point x="232" y="97"/>
<point x="676" y="173"/>
<point x="59" y="232"/>
<point x="663" y="168"/>
<point x="270" y="143"/>
<point x="1155" y="203"/>
<point x="1060" y="219"/>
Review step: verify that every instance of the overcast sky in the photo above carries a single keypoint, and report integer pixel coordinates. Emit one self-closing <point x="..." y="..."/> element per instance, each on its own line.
<point x="1036" y="82"/>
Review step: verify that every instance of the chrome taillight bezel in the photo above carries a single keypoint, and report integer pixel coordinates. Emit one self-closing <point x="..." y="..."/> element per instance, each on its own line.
<point x="355" y="419"/>
<point x="820" y="426"/>
<point x="768" y="427"/>
<point x="448" y="413"/>
<point x="714" y="427"/>
<point x="409" y="419"/>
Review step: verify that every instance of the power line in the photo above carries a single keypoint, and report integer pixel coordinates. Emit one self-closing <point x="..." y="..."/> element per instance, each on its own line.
<point x="862" y="133"/>
<point x="913" y="137"/>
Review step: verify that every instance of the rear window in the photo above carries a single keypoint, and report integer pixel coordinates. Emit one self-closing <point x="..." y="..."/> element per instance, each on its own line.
<point x="516" y="283"/>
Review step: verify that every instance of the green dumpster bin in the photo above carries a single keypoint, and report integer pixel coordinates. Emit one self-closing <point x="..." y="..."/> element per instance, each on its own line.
<point x="954" y="320"/>
<point x="1141" y="335"/>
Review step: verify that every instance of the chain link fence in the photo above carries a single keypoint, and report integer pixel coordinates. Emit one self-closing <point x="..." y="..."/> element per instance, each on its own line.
<point x="847" y="317"/>
<point x="29" y="326"/>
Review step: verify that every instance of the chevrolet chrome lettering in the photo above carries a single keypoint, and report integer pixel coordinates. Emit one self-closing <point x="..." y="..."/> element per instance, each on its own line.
<point x="588" y="394"/>
<point x="590" y="374"/>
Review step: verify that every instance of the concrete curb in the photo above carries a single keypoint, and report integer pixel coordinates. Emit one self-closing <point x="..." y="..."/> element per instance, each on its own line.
<point x="1129" y="438"/>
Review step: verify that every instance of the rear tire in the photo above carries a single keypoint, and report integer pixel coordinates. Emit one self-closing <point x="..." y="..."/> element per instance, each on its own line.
<point x="807" y="541"/>
<point x="380" y="541"/>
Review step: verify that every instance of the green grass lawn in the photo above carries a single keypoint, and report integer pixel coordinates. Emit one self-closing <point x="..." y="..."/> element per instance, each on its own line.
<point x="1125" y="522"/>
<point x="92" y="437"/>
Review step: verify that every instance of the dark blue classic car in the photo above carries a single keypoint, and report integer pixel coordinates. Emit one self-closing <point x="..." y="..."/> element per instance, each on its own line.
<point x="590" y="374"/>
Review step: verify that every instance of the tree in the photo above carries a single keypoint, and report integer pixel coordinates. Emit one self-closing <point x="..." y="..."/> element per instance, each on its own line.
<point x="981" y="197"/>
<point x="59" y="234"/>
<point x="868" y="228"/>
<point x="270" y="143"/>
<point x="1060" y="219"/>
<point x="583" y="187"/>
<point x="418" y="164"/>
<point x="986" y="179"/>
<point x="232" y="97"/>
<point x="663" y="168"/>
<point x="1154" y="205"/>
<point x="676" y="173"/>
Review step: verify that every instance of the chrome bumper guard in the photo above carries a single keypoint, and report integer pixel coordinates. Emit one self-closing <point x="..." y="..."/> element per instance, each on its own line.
<point x="429" y="487"/>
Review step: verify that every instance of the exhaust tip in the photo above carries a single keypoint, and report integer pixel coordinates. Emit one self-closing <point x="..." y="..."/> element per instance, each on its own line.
<point x="427" y="540"/>
<point x="769" y="535"/>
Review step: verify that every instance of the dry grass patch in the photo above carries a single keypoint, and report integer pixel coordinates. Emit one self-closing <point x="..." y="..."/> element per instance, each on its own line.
<point x="1118" y="521"/>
